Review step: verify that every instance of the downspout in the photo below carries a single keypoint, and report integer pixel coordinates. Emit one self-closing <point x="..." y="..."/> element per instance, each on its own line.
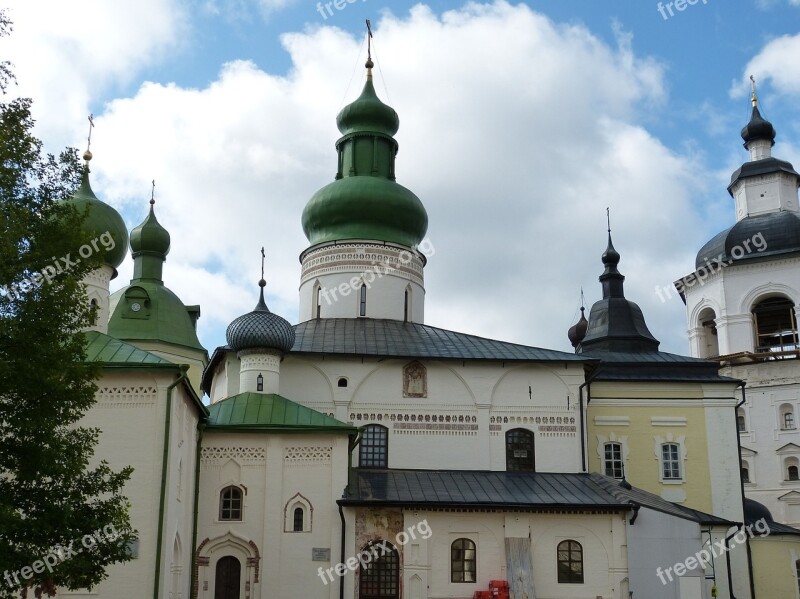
<point x="164" y="464"/>
<point x="728" y="560"/>
<point x="742" y="384"/>
<point x="587" y="383"/>
<point x="342" y="556"/>
<point x="195" y="582"/>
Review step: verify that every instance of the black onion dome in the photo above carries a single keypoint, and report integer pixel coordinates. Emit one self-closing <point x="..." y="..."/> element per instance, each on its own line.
<point x="768" y="234"/>
<point x="755" y="511"/>
<point x="260" y="329"/>
<point x="577" y="331"/>
<point x="758" y="128"/>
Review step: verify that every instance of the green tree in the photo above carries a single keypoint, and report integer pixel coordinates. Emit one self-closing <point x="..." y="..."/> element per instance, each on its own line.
<point x="50" y="496"/>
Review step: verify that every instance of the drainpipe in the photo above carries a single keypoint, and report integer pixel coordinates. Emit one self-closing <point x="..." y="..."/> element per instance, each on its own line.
<point x="742" y="384"/>
<point x="201" y="426"/>
<point x="587" y="383"/>
<point x="728" y="559"/>
<point x="342" y="558"/>
<point x="164" y="464"/>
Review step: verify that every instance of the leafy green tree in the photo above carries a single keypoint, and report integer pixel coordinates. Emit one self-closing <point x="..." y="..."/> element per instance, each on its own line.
<point x="51" y="499"/>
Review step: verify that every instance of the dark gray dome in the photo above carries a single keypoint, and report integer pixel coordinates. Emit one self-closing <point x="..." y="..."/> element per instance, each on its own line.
<point x="577" y="331"/>
<point x="755" y="511"/>
<point x="260" y="329"/>
<point x="778" y="231"/>
<point x="758" y="128"/>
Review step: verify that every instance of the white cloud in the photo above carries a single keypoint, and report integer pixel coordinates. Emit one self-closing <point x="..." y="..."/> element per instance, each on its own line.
<point x="779" y="62"/>
<point x="516" y="133"/>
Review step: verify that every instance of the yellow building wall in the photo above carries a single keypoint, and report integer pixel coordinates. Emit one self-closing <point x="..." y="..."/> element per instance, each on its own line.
<point x="647" y="412"/>
<point x="774" y="560"/>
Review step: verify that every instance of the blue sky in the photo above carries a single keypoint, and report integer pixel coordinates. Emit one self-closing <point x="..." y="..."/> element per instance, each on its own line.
<point x="520" y="124"/>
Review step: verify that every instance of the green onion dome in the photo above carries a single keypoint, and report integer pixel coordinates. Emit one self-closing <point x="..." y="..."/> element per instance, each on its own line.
<point x="365" y="202"/>
<point x="150" y="236"/>
<point x="101" y="219"/>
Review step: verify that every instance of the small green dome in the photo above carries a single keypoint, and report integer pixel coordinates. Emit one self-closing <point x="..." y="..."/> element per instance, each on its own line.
<point x="101" y="221"/>
<point x="150" y="236"/>
<point x="368" y="113"/>
<point x="365" y="208"/>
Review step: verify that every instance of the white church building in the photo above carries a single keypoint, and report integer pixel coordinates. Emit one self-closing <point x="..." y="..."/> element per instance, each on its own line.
<point x="366" y="454"/>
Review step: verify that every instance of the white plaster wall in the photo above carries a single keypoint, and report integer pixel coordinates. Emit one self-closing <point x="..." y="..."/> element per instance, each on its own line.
<point x="131" y="414"/>
<point x="462" y="422"/>
<point x="273" y="469"/>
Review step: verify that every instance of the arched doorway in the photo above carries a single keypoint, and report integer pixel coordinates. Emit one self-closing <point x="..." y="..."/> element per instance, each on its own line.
<point x="381" y="578"/>
<point x="228" y="578"/>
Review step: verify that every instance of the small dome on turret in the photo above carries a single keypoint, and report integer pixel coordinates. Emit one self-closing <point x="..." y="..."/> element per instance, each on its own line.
<point x="260" y="329"/>
<point x="577" y="331"/>
<point x="101" y="219"/>
<point x="758" y="128"/>
<point x="368" y="113"/>
<point x="150" y="236"/>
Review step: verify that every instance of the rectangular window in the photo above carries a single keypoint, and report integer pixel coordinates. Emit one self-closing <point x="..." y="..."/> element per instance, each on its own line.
<point x="613" y="460"/>
<point x="670" y="461"/>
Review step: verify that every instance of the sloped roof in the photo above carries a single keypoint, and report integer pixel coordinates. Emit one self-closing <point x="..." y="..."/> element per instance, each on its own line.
<point x="397" y="339"/>
<point x="534" y="491"/>
<point x="654" y="366"/>
<point x="270" y="412"/>
<point x="114" y="352"/>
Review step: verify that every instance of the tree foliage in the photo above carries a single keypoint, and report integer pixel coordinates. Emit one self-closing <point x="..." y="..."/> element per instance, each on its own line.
<point x="51" y="498"/>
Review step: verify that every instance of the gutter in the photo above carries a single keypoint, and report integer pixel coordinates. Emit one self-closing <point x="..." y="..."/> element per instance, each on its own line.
<point x="728" y="559"/>
<point x="342" y="558"/>
<point x="194" y="580"/>
<point x="164" y="464"/>
<point x="587" y="383"/>
<point x="743" y="384"/>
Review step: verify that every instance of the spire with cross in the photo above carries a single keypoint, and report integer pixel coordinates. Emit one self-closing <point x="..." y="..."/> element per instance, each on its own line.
<point x="87" y="155"/>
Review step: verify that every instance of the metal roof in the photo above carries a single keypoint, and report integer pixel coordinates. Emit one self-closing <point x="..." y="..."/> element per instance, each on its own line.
<point x="103" y="348"/>
<point x="268" y="411"/>
<point x="477" y="488"/>
<point x="654" y="366"/>
<point x="397" y="339"/>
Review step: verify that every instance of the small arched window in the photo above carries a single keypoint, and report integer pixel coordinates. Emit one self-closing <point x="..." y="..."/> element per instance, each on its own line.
<point x="299" y="519"/>
<point x="316" y="308"/>
<point x="342" y="382"/>
<point x="362" y="301"/>
<point x="463" y="564"/>
<point x="709" y="342"/>
<point x="519" y="450"/>
<point x="775" y="325"/>
<point x="374" y="448"/>
<point x="230" y="504"/>
<point x="745" y="472"/>
<point x="741" y="422"/>
<point x="570" y="562"/>
<point x="792" y="468"/>
<point x="787" y="416"/>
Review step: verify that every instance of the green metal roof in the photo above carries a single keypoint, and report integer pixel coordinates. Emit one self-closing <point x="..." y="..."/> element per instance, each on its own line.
<point x="271" y="412"/>
<point x="146" y="310"/>
<point x="113" y="352"/>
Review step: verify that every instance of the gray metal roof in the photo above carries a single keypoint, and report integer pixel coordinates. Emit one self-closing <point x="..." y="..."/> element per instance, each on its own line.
<point x="397" y="339"/>
<point x="476" y="488"/>
<point x="534" y="491"/>
<point x="654" y="366"/>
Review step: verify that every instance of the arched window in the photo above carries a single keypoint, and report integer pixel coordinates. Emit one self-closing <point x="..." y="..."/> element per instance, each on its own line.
<point x="407" y="304"/>
<point x="709" y="342"/>
<point x="362" y="301"/>
<point x="228" y="578"/>
<point x="741" y="422"/>
<point x="519" y="450"/>
<point x="316" y="304"/>
<point x="671" y="461"/>
<point x="791" y="468"/>
<point x="374" y="448"/>
<point x="612" y="459"/>
<point x="787" y="416"/>
<point x="570" y="562"/>
<point x="380" y="579"/>
<point x="299" y="517"/>
<point x="342" y="382"/>
<point x="462" y="561"/>
<point x="745" y="471"/>
<point x="775" y="325"/>
<point x="230" y="503"/>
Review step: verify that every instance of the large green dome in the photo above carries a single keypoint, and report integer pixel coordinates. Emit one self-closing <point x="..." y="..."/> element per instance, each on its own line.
<point x="365" y="208"/>
<point x="365" y="202"/>
<point x="101" y="219"/>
